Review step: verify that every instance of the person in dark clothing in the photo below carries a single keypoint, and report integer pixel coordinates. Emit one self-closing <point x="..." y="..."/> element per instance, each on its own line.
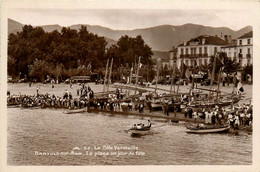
<point x="111" y="106"/>
<point x="213" y="119"/>
<point x="190" y="112"/>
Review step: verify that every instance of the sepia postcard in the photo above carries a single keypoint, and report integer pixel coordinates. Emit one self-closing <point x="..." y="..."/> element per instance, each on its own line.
<point x="129" y="85"/>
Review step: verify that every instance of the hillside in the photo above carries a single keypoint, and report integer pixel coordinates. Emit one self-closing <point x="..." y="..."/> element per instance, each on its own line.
<point x="160" y="38"/>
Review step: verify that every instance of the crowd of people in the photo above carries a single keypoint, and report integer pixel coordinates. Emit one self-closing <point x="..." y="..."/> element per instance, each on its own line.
<point x="237" y="116"/>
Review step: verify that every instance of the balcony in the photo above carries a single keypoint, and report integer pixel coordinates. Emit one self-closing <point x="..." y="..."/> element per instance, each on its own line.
<point x="187" y="55"/>
<point x="182" y="56"/>
<point x="240" y="56"/>
<point x="248" y="56"/>
<point x="205" y="54"/>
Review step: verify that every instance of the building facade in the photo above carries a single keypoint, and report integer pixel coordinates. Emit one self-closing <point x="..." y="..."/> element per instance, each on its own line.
<point x="173" y="57"/>
<point x="241" y="49"/>
<point x="198" y="51"/>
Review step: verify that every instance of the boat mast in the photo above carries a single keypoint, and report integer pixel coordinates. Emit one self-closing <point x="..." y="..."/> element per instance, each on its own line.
<point x="110" y="72"/>
<point x="192" y="83"/>
<point x="182" y="63"/>
<point x="137" y="73"/>
<point x="219" y="72"/>
<point x="213" y="73"/>
<point x="105" y="80"/>
<point x="130" y="80"/>
<point x="173" y="76"/>
<point x="157" y="76"/>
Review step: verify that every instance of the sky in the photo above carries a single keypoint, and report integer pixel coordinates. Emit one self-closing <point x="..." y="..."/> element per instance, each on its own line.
<point x="127" y="19"/>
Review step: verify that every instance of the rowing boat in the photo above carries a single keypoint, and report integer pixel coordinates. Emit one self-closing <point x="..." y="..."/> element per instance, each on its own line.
<point x="139" y="129"/>
<point x="70" y="111"/>
<point x="203" y="129"/>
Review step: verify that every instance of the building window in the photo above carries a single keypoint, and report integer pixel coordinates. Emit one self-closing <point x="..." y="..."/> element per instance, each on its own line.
<point x="200" y="62"/>
<point x="248" y="51"/>
<point x="186" y="51"/>
<point x="240" y="51"/>
<point x="194" y="51"/>
<point x="200" y="50"/>
<point x="205" y="61"/>
<point x="215" y="50"/>
<point x="187" y="62"/>
<point x="248" y="41"/>
<point x="191" y="51"/>
<point x="205" y="50"/>
<point x="181" y="50"/>
<point x="240" y="61"/>
<point x="235" y="54"/>
<point x="240" y="42"/>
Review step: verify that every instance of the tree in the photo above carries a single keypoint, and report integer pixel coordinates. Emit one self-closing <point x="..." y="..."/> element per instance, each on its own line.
<point x="229" y="66"/>
<point x="39" y="69"/>
<point x="127" y="52"/>
<point x="248" y="72"/>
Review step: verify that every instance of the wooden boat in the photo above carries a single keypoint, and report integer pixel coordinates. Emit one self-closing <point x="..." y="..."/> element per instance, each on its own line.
<point x="156" y="106"/>
<point x="13" y="106"/>
<point x="139" y="130"/>
<point x="70" y="111"/>
<point x="207" y="129"/>
<point x="30" y="106"/>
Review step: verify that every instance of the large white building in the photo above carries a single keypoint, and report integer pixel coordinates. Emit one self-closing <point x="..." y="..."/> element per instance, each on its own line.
<point x="198" y="51"/>
<point x="241" y="49"/>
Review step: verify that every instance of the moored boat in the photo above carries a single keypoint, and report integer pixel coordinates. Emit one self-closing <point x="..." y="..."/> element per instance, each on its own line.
<point x="156" y="106"/>
<point x="203" y="129"/>
<point x="70" y="111"/>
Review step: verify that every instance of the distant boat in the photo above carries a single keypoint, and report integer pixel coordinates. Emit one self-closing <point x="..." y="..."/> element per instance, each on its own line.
<point x="70" y="111"/>
<point x="203" y="129"/>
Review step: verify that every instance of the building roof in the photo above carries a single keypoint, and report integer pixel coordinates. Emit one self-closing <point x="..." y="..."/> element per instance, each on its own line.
<point x="233" y="43"/>
<point x="173" y="50"/>
<point x="247" y="35"/>
<point x="209" y="40"/>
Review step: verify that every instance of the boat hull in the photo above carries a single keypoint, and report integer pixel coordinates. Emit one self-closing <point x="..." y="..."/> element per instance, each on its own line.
<point x="75" y="111"/>
<point x="208" y="130"/>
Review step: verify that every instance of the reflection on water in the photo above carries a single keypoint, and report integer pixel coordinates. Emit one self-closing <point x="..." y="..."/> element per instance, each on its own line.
<point x="31" y="132"/>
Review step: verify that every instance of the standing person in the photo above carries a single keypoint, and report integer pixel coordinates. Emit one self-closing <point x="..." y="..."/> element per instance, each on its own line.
<point x="210" y="117"/>
<point x="236" y="121"/>
<point x="213" y="118"/>
<point x="195" y="115"/>
<point x="190" y="112"/>
<point x="37" y="90"/>
<point x="206" y="117"/>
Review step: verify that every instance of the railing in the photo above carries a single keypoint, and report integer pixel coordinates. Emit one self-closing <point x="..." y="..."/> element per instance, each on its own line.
<point x="205" y="54"/>
<point x="248" y="55"/>
<point x="187" y="55"/>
